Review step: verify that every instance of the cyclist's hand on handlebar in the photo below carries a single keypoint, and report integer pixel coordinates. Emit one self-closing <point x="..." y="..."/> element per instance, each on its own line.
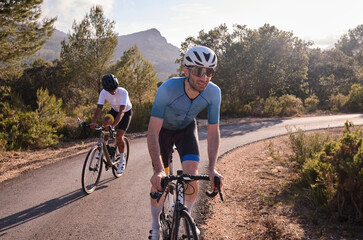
<point x="93" y="125"/>
<point x="156" y="180"/>
<point x="212" y="174"/>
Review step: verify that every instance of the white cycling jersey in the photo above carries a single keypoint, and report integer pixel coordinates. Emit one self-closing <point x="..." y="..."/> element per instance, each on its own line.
<point x="121" y="97"/>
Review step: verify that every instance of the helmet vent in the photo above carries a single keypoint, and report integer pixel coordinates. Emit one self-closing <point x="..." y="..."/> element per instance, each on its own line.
<point x="214" y="59"/>
<point x="207" y="56"/>
<point x="189" y="59"/>
<point x="197" y="55"/>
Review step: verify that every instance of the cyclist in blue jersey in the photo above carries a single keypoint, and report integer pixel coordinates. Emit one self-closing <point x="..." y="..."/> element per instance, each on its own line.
<point x="177" y="103"/>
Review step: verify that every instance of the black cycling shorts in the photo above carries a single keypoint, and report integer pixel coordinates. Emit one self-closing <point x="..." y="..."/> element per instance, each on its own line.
<point x="185" y="140"/>
<point x="125" y="120"/>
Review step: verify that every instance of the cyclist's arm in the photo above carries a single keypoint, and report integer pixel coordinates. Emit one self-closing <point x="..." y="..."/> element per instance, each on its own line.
<point x="119" y="116"/>
<point x="213" y="139"/>
<point x="155" y="125"/>
<point x="96" y="115"/>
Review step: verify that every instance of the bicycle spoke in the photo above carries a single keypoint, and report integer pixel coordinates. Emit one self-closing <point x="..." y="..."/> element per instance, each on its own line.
<point x="91" y="170"/>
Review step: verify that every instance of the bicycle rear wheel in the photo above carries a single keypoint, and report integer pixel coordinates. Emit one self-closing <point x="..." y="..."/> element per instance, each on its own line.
<point x="185" y="227"/>
<point x="92" y="169"/>
<point x="117" y="158"/>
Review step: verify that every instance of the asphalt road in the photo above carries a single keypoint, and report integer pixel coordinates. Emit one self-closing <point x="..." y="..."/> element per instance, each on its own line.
<point x="48" y="203"/>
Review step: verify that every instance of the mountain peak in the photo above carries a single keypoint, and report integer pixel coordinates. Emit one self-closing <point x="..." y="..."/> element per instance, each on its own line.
<point x="151" y="43"/>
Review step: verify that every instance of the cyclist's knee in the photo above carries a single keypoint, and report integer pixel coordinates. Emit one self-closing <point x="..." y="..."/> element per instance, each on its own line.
<point x="120" y="134"/>
<point x="190" y="167"/>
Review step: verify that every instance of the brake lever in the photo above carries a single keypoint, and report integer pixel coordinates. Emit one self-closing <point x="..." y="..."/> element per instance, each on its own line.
<point x="82" y="123"/>
<point x="217" y="184"/>
<point x="157" y="195"/>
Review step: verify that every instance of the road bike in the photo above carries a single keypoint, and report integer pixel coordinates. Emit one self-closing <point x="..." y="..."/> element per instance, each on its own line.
<point x="176" y="222"/>
<point x="105" y="152"/>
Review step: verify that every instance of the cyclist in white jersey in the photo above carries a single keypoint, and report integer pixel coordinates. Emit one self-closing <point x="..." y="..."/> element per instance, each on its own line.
<point x="177" y="103"/>
<point x="119" y="116"/>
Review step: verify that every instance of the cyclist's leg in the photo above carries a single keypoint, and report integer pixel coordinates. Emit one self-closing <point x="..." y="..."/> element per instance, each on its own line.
<point x="166" y="141"/>
<point x="121" y="129"/>
<point x="191" y="192"/>
<point x="189" y="152"/>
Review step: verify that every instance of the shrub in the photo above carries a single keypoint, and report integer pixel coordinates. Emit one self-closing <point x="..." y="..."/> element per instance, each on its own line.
<point x="311" y="103"/>
<point x="50" y="109"/>
<point x="305" y="146"/>
<point x="255" y="108"/>
<point x="355" y="98"/>
<point x="290" y="105"/>
<point x="337" y="102"/>
<point x="233" y="109"/>
<point x="140" y="117"/>
<point x="21" y="129"/>
<point x="272" y="106"/>
<point x="336" y="174"/>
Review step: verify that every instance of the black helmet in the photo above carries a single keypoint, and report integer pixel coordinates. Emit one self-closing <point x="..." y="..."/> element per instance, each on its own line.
<point x="109" y="82"/>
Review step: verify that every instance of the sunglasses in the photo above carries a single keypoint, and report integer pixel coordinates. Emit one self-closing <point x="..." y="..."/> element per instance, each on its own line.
<point x="200" y="71"/>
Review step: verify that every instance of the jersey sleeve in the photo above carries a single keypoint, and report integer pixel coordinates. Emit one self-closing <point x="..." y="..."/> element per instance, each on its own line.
<point x="214" y="107"/>
<point x="161" y="102"/>
<point x="125" y="95"/>
<point x="101" y="98"/>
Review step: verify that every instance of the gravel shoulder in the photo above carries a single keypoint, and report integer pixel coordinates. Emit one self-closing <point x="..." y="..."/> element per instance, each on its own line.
<point x="257" y="202"/>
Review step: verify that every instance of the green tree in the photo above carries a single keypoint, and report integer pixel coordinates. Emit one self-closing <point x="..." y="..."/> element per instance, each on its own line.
<point x="330" y="72"/>
<point x="21" y="32"/>
<point x="216" y="39"/>
<point x="41" y="74"/>
<point x="88" y="54"/>
<point x="352" y="44"/>
<point x="21" y="35"/>
<point x="255" y="63"/>
<point x="137" y="75"/>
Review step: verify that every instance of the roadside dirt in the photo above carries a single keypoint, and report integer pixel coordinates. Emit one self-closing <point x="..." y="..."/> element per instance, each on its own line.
<point x="257" y="205"/>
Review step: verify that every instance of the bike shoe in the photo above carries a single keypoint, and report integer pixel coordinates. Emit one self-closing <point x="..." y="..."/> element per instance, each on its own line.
<point x="121" y="168"/>
<point x="154" y="234"/>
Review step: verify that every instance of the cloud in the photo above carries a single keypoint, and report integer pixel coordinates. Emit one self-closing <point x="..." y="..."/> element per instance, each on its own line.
<point x="69" y="10"/>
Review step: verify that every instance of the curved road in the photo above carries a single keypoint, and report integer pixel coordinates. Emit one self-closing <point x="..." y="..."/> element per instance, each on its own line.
<point x="48" y="203"/>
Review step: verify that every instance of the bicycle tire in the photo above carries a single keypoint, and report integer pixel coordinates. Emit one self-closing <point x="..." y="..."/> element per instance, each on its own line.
<point x="166" y="215"/>
<point x="117" y="158"/>
<point x="184" y="227"/>
<point x="92" y="169"/>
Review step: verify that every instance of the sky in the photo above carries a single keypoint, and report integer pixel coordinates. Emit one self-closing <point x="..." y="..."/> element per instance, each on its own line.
<point x="320" y="21"/>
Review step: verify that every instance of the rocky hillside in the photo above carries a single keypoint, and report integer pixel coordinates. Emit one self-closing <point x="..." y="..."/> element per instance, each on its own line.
<point x="151" y="43"/>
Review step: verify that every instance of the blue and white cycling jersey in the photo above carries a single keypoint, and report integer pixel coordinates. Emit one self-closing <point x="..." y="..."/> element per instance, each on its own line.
<point x="173" y="105"/>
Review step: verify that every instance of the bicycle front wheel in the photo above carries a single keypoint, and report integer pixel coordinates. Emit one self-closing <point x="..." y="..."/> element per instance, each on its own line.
<point x="117" y="158"/>
<point x="166" y="215"/>
<point x="185" y="227"/>
<point x="92" y="169"/>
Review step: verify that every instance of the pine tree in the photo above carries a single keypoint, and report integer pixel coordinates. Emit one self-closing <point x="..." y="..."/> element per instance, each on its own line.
<point x="21" y="35"/>
<point x="21" y="32"/>
<point x="137" y="75"/>
<point x="88" y="54"/>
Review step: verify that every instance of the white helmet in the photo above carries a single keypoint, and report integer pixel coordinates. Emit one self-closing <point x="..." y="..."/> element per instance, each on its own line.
<point x="200" y="56"/>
